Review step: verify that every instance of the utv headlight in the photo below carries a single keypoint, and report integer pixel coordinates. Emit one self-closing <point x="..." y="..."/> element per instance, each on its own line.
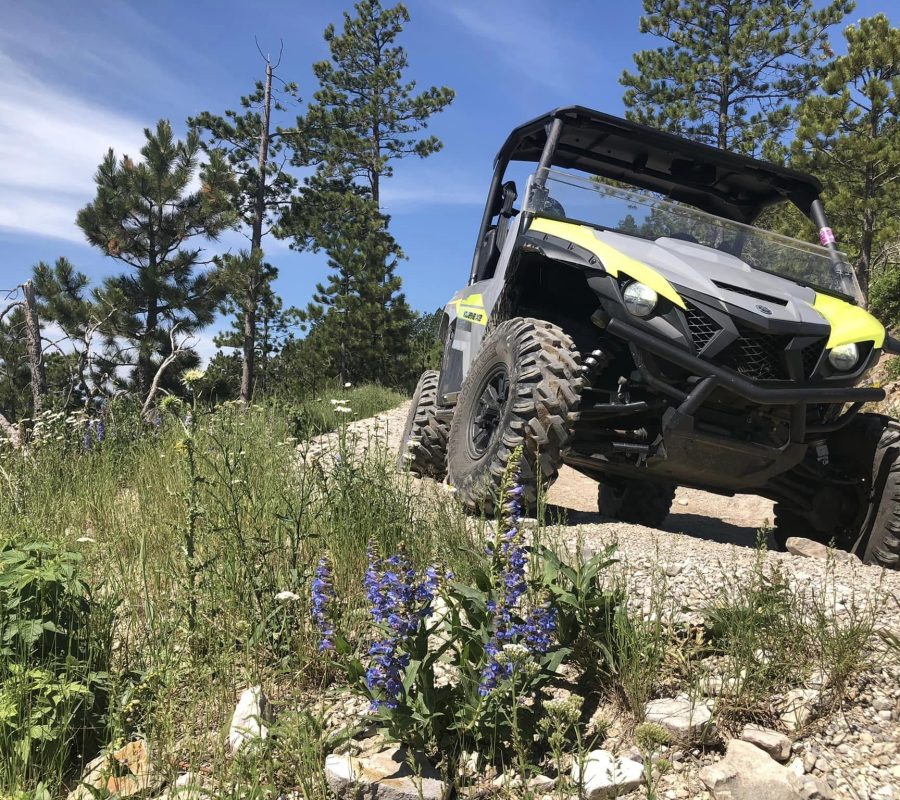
<point x="639" y="299"/>
<point x="844" y="357"/>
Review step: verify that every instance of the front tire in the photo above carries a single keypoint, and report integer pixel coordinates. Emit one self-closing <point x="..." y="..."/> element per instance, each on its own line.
<point x="882" y="544"/>
<point x="523" y="389"/>
<point x="868" y="452"/>
<point x="638" y="502"/>
<point x="423" y="446"/>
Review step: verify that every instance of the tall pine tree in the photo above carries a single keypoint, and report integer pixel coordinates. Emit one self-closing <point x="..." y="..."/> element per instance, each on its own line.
<point x="365" y="116"/>
<point x="732" y="70"/>
<point x="849" y="136"/>
<point x="147" y="217"/>
<point x="255" y="149"/>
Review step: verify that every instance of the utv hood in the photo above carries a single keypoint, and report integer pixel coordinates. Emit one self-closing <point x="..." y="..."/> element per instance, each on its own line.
<point x="719" y="275"/>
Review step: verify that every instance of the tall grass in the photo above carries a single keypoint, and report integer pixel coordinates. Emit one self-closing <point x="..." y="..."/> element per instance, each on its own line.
<point x="201" y="532"/>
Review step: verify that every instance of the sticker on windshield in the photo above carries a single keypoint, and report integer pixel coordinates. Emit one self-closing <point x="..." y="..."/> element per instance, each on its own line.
<point x="826" y="236"/>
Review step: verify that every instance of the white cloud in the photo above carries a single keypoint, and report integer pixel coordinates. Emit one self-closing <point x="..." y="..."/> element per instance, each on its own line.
<point x="50" y="146"/>
<point x="427" y="187"/>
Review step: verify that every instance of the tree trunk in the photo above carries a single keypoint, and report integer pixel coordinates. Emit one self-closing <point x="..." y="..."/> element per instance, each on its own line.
<point x="35" y="356"/>
<point x="145" y="351"/>
<point x="259" y="213"/>
<point x="249" y="345"/>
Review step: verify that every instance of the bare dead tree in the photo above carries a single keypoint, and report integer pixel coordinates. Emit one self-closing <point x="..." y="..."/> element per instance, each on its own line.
<point x="35" y="353"/>
<point x="176" y="349"/>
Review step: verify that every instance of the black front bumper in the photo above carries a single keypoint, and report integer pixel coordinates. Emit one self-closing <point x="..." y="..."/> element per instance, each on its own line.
<point x="727" y="379"/>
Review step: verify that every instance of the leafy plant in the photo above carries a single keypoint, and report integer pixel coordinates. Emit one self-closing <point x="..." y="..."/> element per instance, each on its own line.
<point x="55" y="642"/>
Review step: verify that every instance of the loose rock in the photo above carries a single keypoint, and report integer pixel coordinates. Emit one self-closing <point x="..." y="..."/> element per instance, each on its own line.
<point x="798" y="707"/>
<point x="798" y="546"/>
<point x="685" y="720"/>
<point x="747" y="773"/>
<point x="604" y="775"/>
<point x="249" y="718"/>
<point x="392" y="774"/>
<point x="772" y="742"/>
<point x="126" y="772"/>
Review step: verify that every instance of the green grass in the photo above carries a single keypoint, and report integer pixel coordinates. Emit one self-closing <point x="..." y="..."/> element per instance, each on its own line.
<point x="182" y="538"/>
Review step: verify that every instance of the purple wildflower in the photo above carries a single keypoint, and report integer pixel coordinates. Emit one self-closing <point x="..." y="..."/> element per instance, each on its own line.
<point x="322" y="598"/>
<point x="101" y="429"/>
<point x="399" y="602"/>
<point x="535" y="632"/>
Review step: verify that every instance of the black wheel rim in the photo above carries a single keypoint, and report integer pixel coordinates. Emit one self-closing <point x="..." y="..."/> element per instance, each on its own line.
<point x="488" y="410"/>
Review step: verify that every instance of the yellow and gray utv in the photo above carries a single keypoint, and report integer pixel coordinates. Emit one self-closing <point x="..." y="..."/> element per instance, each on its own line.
<point x="624" y="316"/>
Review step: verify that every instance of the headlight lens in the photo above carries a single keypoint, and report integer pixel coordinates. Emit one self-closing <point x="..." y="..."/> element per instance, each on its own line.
<point x="639" y="299"/>
<point x="844" y="357"/>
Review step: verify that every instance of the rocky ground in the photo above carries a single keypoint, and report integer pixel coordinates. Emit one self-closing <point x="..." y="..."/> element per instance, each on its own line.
<point x="815" y="743"/>
<point x="709" y="542"/>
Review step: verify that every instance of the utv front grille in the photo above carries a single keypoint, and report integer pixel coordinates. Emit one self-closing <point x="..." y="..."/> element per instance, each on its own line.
<point x="811" y="355"/>
<point x="758" y="356"/>
<point x="702" y="327"/>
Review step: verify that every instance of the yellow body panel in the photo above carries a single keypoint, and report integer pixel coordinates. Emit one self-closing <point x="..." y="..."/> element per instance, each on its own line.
<point x="471" y="309"/>
<point x="849" y="323"/>
<point x="614" y="262"/>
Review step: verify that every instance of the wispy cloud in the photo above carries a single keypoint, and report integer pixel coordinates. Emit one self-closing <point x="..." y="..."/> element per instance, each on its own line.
<point x="50" y="145"/>
<point x="526" y="40"/>
<point x="429" y="187"/>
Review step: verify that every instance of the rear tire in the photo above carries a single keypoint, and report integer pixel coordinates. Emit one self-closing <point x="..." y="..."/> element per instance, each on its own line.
<point x="423" y="446"/>
<point x="523" y="389"/>
<point x="638" y="502"/>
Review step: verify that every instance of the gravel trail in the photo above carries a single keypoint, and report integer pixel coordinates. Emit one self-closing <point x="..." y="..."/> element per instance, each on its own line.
<point x="708" y="542"/>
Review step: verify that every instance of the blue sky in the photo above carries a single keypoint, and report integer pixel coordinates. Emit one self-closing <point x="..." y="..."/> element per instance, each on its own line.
<point x="77" y="78"/>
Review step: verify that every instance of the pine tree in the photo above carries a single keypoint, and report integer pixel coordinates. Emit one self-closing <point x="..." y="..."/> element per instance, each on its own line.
<point x="146" y="217"/>
<point x="273" y="326"/>
<point x="256" y="151"/>
<point x="64" y="302"/>
<point x="732" y="69"/>
<point x="365" y="116"/>
<point x="15" y="376"/>
<point x="849" y="136"/>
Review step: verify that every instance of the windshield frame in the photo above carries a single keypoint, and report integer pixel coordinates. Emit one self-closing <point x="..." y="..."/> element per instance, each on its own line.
<point x="842" y="273"/>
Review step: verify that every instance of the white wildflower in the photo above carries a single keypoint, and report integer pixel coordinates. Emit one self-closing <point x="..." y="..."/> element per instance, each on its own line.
<point x="347" y="385"/>
<point x="287" y="595"/>
<point x="190" y="376"/>
<point x="83" y="539"/>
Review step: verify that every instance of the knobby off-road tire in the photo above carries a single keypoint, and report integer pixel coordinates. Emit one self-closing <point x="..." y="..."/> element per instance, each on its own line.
<point x="639" y="502"/>
<point x="523" y="388"/>
<point x="423" y="446"/>
<point x="870" y="448"/>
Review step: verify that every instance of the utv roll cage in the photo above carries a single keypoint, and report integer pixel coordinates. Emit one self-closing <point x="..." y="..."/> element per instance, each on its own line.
<point x="716" y="181"/>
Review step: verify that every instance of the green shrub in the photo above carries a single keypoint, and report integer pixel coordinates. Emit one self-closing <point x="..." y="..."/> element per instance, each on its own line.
<point x="55" y="643"/>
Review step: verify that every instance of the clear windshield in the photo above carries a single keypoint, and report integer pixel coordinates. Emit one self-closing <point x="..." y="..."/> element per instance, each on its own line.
<point x="650" y="217"/>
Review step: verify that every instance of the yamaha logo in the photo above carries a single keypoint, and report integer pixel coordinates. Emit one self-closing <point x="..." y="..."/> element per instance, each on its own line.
<point x="764" y="310"/>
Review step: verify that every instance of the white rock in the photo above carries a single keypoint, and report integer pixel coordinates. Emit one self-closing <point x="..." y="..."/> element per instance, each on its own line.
<point x="797" y="707"/>
<point x="798" y="546"/>
<point x="604" y="775"/>
<point x="686" y="720"/>
<point x="393" y="774"/>
<point x="249" y="718"/>
<point x="747" y="773"/>
<point x="774" y="743"/>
